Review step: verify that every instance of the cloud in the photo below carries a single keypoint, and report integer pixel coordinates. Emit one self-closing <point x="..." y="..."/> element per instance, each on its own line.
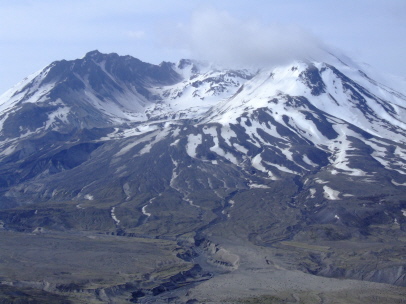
<point x="218" y="37"/>
<point x="136" y="34"/>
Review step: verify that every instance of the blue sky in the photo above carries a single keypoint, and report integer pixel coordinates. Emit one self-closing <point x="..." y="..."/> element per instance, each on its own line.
<point x="33" y="33"/>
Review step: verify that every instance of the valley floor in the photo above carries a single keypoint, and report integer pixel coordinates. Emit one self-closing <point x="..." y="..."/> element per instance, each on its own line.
<point x="60" y="267"/>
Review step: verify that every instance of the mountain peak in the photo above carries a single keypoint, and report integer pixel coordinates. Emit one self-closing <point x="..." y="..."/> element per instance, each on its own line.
<point x="92" y="54"/>
<point x="99" y="56"/>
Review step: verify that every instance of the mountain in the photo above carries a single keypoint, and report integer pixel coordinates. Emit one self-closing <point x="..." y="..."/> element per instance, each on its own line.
<point x="294" y="167"/>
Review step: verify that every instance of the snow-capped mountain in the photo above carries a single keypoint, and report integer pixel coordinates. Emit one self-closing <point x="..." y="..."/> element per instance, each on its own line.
<point x="311" y="150"/>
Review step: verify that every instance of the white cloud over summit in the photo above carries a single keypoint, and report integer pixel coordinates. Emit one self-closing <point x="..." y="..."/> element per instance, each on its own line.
<point x="218" y="37"/>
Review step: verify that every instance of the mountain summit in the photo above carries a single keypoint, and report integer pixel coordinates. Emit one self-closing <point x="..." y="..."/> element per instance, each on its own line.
<point x="306" y="161"/>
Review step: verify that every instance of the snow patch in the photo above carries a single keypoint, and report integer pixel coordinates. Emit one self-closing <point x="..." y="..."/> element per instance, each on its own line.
<point x="240" y="148"/>
<point x="59" y="115"/>
<point x="227" y="133"/>
<point x="9" y="150"/>
<point x="398" y="184"/>
<point x="312" y="193"/>
<point x="258" y="186"/>
<point x="308" y="161"/>
<point x="331" y="194"/>
<point x="192" y="142"/>
<point x="175" y="143"/>
<point x="282" y="168"/>
<point x="89" y="197"/>
<point x="216" y="148"/>
<point x="113" y="216"/>
<point x="256" y="162"/>
<point x="144" y="211"/>
<point x="174" y="174"/>
<point x="175" y="133"/>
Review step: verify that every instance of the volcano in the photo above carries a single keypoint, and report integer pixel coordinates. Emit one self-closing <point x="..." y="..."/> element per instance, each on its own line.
<point x="198" y="175"/>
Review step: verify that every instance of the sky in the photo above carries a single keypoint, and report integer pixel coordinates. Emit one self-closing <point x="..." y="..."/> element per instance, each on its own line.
<point x="34" y="33"/>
